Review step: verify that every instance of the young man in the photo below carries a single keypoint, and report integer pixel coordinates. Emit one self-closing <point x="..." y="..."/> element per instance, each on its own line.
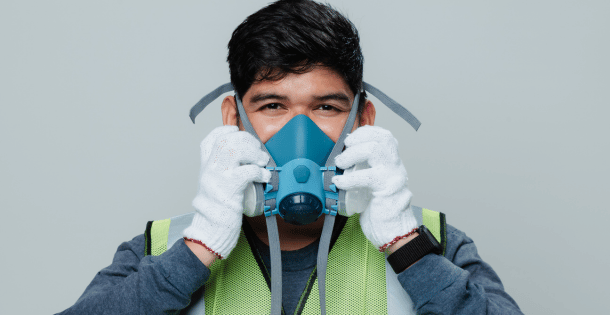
<point x="288" y="59"/>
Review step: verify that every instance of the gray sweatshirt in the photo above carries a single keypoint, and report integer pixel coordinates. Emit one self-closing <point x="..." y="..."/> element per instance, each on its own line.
<point x="459" y="282"/>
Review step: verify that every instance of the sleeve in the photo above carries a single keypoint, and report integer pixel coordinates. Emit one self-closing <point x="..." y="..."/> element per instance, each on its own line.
<point x="458" y="283"/>
<point x="134" y="284"/>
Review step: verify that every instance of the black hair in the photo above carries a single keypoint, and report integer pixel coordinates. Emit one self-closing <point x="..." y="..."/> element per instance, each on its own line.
<point x="294" y="36"/>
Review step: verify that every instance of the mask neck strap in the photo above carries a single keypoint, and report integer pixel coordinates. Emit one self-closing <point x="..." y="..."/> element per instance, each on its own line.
<point x="323" y="249"/>
<point x="276" y="265"/>
<point x="329" y="220"/>
<point x="272" y="231"/>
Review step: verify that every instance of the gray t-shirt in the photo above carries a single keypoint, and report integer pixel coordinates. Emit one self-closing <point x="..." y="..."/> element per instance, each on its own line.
<point x="297" y="266"/>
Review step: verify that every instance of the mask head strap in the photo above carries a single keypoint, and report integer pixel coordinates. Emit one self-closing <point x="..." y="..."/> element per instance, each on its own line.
<point x="209" y="98"/>
<point x="389" y="102"/>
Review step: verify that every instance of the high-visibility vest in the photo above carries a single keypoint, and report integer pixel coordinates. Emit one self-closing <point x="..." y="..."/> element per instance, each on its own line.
<point x="358" y="278"/>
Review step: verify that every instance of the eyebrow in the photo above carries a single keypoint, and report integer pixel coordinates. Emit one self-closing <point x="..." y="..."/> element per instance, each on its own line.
<point x="267" y="96"/>
<point x="334" y="96"/>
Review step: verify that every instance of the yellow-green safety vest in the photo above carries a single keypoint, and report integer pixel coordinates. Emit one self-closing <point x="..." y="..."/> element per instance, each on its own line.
<point x="358" y="278"/>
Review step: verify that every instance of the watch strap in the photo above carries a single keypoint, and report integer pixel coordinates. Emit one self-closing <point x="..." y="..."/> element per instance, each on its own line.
<point x="414" y="250"/>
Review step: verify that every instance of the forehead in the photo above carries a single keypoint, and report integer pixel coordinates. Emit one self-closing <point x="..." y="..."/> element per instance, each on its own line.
<point x="319" y="80"/>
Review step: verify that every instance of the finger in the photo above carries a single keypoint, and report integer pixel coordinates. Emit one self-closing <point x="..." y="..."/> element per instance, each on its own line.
<point x="208" y="142"/>
<point x="249" y="149"/>
<point x="237" y="148"/>
<point x="367" y="178"/>
<point x="356" y="154"/>
<point x="367" y="134"/>
<point x="250" y="173"/>
<point x="254" y="156"/>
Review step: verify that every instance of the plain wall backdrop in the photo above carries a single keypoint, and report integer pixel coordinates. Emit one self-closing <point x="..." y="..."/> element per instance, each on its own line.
<point x="513" y="97"/>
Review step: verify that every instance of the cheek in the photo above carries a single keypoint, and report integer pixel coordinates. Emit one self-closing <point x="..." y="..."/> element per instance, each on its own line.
<point x="267" y="129"/>
<point x="332" y="130"/>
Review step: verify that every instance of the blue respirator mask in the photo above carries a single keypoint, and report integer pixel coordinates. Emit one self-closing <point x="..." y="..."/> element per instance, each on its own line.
<point x="300" y="189"/>
<point x="300" y="150"/>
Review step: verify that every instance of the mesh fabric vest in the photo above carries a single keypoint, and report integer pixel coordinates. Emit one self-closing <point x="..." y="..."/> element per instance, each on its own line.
<point x="355" y="277"/>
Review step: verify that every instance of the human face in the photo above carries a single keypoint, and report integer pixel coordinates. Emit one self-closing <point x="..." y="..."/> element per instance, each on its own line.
<point x="321" y="94"/>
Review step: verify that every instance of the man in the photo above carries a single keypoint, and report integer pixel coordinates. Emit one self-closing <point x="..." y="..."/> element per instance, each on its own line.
<point x="289" y="59"/>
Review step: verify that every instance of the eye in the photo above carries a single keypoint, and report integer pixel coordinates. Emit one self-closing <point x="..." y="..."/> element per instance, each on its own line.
<point x="272" y="106"/>
<point x="328" y="108"/>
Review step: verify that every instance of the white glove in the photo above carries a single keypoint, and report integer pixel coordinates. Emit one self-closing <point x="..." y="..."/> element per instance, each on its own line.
<point x="389" y="214"/>
<point x="222" y="181"/>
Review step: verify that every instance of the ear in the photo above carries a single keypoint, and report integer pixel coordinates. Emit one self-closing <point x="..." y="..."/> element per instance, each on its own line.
<point x="229" y="111"/>
<point x="368" y="114"/>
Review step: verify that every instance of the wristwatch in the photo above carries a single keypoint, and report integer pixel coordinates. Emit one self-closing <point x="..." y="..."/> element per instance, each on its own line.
<point x="415" y="249"/>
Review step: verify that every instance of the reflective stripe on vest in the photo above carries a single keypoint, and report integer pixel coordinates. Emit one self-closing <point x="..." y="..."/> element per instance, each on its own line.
<point x="237" y="283"/>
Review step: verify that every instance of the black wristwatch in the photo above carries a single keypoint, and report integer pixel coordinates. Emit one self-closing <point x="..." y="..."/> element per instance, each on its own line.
<point x="415" y="249"/>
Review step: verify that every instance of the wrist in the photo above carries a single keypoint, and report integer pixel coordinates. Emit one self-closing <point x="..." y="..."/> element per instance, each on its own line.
<point x="206" y="255"/>
<point x="398" y="239"/>
<point x="394" y="247"/>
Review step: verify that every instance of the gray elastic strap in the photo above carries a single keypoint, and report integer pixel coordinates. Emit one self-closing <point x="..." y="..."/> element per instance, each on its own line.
<point x="272" y="231"/>
<point x="248" y="127"/>
<point x="206" y="100"/>
<point x="389" y="102"/>
<point x="329" y="220"/>
<point x="260" y="192"/>
<point x="393" y="105"/>
<point x="323" y="249"/>
<point x="244" y="118"/>
<point x="338" y="148"/>
<point x="276" y="265"/>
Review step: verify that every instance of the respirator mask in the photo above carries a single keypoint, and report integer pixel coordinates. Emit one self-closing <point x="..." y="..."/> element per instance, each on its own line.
<point x="300" y="151"/>
<point x="300" y="190"/>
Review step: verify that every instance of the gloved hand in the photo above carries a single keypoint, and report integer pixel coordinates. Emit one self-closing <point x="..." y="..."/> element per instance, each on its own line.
<point x="389" y="215"/>
<point x="222" y="181"/>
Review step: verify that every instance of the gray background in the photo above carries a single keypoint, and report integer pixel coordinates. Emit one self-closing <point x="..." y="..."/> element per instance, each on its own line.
<point x="513" y="147"/>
